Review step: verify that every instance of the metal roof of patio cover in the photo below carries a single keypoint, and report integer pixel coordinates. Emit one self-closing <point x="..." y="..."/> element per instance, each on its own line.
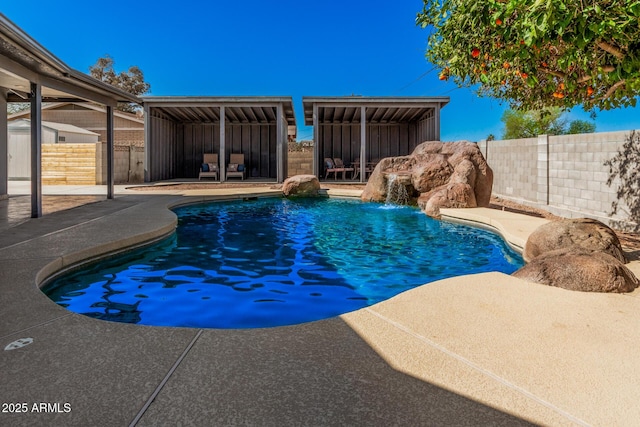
<point x="395" y="123"/>
<point x="180" y="129"/>
<point x="30" y="73"/>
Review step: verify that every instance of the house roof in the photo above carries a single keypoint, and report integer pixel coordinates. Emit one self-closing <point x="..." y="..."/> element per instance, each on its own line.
<point x="346" y="109"/>
<point x="238" y="109"/>
<point x="23" y="60"/>
<point x="87" y="105"/>
<point x="60" y="127"/>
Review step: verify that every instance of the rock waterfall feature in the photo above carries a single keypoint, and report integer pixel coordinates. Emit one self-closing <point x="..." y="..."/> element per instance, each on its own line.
<point x="436" y="175"/>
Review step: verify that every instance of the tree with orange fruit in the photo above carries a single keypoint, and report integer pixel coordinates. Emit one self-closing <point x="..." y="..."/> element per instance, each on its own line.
<point x="539" y="53"/>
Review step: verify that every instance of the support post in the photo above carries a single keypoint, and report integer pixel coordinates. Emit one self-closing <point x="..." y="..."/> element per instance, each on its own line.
<point x="36" y="150"/>
<point x="363" y="144"/>
<point x="222" y="158"/>
<point x="279" y="144"/>
<point x="543" y="169"/>
<point x="436" y="122"/>
<point x="4" y="148"/>
<point x="147" y="144"/>
<point x="110" y="153"/>
<point x="316" y="143"/>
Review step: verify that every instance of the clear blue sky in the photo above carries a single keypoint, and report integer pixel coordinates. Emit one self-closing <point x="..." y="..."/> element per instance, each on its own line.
<point x="280" y="47"/>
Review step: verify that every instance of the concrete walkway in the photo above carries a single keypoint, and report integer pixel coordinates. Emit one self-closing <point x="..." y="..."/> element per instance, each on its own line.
<point x="474" y="350"/>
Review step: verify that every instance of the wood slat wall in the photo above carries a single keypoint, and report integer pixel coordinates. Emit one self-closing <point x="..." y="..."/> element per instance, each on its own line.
<point x="177" y="149"/>
<point x="165" y="138"/>
<point x="69" y="164"/>
<point x="383" y="140"/>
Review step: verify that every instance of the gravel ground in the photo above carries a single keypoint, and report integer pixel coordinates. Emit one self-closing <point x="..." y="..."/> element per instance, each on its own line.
<point x="629" y="241"/>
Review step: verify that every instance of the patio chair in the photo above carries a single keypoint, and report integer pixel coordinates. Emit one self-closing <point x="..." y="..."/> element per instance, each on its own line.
<point x="340" y="165"/>
<point x="330" y="167"/>
<point x="236" y="166"/>
<point x="209" y="167"/>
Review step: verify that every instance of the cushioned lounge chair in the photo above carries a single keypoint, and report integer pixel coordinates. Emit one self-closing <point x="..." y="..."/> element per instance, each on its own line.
<point x="236" y="166"/>
<point x="209" y="167"/>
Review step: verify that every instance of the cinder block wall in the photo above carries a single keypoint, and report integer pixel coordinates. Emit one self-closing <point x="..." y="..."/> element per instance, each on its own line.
<point x="128" y="164"/>
<point x="513" y="158"/>
<point x="563" y="174"/>
<point x="300" y="162"/>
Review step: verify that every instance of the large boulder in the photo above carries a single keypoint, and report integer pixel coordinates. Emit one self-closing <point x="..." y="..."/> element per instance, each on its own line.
<point x="453" y="195"/>
<point x="587" y="233"/>
<point x="579" y="269"/>
<point x="578" y="254"/>
<point x="442" y="175"/>
<point x="301" y="186"/>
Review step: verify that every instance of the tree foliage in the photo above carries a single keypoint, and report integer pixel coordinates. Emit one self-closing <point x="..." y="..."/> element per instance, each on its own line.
<point x="550" y="121"/>
<point x="581" y="126"/>
<point x="539" y="53"/>
<point x="131" y="81"/>
<point x="529" y="124"/>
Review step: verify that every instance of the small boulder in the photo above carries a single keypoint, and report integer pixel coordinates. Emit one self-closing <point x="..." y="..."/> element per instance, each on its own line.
<point x="579" y="269"/>
<point x="301" y="186"/>
<point x="587" y="233"/>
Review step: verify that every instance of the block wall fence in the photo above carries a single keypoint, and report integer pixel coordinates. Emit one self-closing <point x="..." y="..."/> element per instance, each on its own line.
<point x="300" y="162"/>
<point x="128" y="167"/>
<point x="564" y="174"/>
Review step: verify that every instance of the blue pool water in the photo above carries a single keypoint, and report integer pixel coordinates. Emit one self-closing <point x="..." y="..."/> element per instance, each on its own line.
<point x="275" y="262"/>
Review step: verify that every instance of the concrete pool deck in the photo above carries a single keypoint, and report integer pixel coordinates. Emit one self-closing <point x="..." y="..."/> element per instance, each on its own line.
<point x="473" y="350"/>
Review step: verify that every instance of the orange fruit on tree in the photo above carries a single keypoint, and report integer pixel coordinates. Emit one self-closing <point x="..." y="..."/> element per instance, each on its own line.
<point x="498" y="21"/>
<point x="506" y="65"/>
<point x="475" y="52"/>
<point x="589" y="91"/>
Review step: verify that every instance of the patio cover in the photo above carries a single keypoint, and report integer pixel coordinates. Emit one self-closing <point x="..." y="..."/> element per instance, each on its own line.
<point x="30" y="73"/>
<point x="222" y="111"/>
<point x="370" y="111"/>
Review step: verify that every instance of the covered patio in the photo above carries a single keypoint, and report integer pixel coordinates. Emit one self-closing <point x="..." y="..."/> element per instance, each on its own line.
<point x="31" y="74"/>
<point x="180" y="130"/>
<point x="360" y="131"/>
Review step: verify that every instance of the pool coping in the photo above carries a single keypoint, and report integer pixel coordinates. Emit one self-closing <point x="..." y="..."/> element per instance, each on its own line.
<point x="466" y="335"/>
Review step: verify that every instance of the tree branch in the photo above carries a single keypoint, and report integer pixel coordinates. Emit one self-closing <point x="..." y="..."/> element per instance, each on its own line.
<point x="618" y="53"/>
<point x="606" y="69"/>
<point x="613" y="88"/>
<point x="558" y="74"/>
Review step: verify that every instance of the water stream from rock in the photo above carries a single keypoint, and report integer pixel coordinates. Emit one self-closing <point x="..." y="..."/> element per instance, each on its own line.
<point x="396" y="191"/>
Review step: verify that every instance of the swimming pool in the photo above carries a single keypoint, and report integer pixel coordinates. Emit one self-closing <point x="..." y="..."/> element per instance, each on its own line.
<point x="274" y="262"/>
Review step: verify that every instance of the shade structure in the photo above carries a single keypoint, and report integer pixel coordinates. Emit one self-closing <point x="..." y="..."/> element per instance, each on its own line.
<point x="30" y="73"/>
<point x="180" y="130"/>
<point x="363" y="130"/>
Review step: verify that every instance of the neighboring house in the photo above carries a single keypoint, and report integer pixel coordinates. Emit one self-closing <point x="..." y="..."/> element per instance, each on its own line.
<point x="19" y="150"/>
<point x="128" y="129"/>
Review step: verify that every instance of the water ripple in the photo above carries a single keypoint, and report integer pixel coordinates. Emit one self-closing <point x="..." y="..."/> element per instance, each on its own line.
<point x="278" y="262"/>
